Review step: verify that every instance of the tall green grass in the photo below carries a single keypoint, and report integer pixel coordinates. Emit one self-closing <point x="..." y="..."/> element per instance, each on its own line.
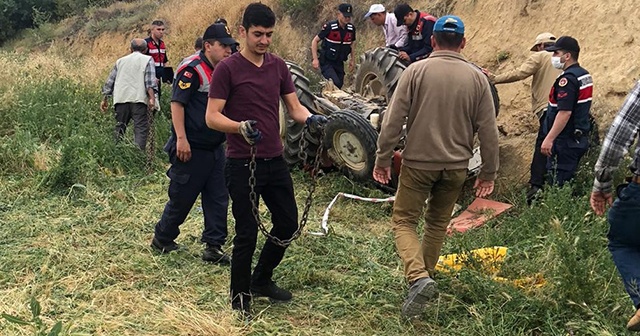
<point x="78" y="211"/>
<point x="55" y="131"/>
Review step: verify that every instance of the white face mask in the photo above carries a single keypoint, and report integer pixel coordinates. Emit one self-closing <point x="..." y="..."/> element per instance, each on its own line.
<point x="556" y="62"/>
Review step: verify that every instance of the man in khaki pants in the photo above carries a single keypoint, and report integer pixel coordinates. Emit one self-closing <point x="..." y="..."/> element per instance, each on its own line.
<point x="544" y="75"/>
<point x="444" y="100"/>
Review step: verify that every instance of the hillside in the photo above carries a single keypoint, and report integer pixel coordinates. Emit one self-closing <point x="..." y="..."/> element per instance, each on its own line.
<point x="499" y="36"/>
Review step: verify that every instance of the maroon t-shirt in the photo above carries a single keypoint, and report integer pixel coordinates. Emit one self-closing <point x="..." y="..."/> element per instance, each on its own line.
<point x="252" y="93"/>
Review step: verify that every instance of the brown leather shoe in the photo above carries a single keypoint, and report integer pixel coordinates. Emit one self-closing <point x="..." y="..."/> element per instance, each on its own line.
<point x="634" y="322"/>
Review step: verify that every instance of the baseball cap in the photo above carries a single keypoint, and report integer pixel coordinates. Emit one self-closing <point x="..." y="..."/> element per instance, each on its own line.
<point x="220" y="32"/>
<point x="449" y="24"/>
<point x="400" y="12"/>
<point x="543" y="38"/>
<point x="567" y="43"/>
<point x="346" y="9"/>
<point x="375" y="8"/>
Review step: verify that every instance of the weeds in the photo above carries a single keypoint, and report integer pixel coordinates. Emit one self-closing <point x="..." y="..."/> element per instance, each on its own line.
<point x="36" y="323"/>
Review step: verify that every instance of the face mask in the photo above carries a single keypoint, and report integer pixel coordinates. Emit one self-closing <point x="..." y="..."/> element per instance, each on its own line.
<point x="556" y="62"/>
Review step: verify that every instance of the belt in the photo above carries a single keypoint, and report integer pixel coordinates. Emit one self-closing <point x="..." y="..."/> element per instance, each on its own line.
<point x="277" y="158"/>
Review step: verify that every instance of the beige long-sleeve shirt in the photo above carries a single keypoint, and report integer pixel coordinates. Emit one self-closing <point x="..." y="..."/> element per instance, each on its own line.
<point x="544" y="74"/>
<point x="445" y="100"/>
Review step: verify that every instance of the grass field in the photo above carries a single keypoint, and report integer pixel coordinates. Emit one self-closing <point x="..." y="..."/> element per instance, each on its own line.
<point x="77" y="214"/>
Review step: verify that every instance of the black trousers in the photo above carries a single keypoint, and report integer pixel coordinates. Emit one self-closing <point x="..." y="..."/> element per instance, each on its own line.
<point x="539" y="160"/>
<point x="203" y="174"/>
<point x="274" y="185"/>
<point x="333" y="71"/>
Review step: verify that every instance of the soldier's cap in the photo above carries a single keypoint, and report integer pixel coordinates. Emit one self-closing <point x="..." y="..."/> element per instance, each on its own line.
<point x="567" y="43"/>
<point x="346" y="9"/>
<point x="449" y="24"/>
<point x="375" y="8"/>
<point x="543" y="38"/>
<point x="400" y="12"/>
<point x="219" y="32"/>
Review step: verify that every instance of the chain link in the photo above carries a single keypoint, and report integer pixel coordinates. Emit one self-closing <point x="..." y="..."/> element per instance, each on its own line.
<point x="312" y="188"/>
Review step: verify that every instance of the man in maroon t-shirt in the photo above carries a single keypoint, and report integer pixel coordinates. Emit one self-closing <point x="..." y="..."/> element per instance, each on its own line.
<point x="244" y="104"/>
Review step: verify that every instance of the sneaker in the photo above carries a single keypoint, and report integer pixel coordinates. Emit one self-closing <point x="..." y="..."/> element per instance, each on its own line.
<point x="214" y="254"/>
<point x="532" y="193"/>
<point x="634" y="322"/>
<point x="420" y="292"/>
<point x="163" y="248"/>
<point x="272" y="291"/>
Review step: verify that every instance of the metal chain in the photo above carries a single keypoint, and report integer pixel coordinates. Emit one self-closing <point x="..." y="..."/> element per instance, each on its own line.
<point x="312" y="188"/>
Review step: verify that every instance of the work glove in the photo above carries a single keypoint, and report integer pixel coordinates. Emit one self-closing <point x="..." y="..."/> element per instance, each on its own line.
<point x="316" y="122"/>
<point x="251" y="135"/>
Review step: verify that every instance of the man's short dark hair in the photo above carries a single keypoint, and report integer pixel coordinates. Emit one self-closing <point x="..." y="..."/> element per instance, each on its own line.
<point x="157" y="23"/>
<point x="574" y="54"/>
<point x="198" y="44"/>
<point x="448" y="40"/>
<point x="258" y="14"/>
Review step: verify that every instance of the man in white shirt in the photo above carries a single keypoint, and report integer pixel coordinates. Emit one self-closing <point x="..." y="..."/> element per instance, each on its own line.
<point x="396" y="37"/>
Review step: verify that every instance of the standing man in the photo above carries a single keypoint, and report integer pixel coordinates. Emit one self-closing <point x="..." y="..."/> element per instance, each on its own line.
<point x="624" y="216"/>
<point x="395" y="35"/>
<point x="567" y="123"/>
<point x="244" y="104"/>
<point x="196" y="152"/>
<point x="132" y="84"/>
<point x="444" y="100"/>
<point x="544" y="74"/>
<point x="419" y="30"/>
<point x="158" y="50"/>
<point x="337" y="38"/>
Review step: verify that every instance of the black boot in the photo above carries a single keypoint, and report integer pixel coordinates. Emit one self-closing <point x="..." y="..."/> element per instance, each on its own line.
<point x="214" y="254"/>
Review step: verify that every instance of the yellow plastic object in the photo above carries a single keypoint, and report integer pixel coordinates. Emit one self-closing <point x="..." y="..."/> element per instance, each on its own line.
<point x="487" y="260"/>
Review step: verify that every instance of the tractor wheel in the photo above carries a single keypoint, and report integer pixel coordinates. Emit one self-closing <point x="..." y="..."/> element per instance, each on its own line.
<point x="378" y="73"/>
<point x="291" y="131"/>
<point x="350" y="141"/>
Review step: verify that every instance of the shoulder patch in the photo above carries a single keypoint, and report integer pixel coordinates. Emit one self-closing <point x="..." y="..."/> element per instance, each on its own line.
<point x="563" y="82"/>
<point x="562" y="94"/>
<point x="188" y="74"/>
<point x="182" y="85"/>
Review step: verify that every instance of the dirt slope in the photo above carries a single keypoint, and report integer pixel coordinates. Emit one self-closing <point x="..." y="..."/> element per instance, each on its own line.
<point x="496" y="29"/>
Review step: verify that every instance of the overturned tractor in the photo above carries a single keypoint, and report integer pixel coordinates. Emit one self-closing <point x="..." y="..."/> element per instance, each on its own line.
<point x="355" y="117"/>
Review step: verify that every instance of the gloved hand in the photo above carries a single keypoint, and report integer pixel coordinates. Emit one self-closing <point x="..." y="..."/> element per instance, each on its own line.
<point x="250" y="134"/>
<point x="316" y="122"/>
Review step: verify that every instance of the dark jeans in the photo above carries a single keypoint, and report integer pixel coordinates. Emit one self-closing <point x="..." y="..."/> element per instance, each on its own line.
<point x="566" y="155"/>
<point x="333" y="71"/>
<point x="624" y="239"/>
<point x="274" y="184"/>
<point x="203" y="174"/>
<point x="138" y="112"/>
<point x="539" y="160"/>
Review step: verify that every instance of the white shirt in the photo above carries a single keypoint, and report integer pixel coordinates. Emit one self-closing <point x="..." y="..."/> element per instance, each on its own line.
<point x="394" y="35"/>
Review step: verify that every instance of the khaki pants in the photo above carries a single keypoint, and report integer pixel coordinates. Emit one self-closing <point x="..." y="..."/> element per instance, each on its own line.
<point x="442" y="188"/>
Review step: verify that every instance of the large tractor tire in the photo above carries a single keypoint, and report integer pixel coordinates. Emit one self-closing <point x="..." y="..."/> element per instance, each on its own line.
<point x="350" y="141"/>
<point x="378" y="73"/>
<point x="291" y="131"/>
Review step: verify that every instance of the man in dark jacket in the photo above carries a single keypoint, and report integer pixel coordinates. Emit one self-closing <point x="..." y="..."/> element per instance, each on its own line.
<point x="419" y="31"/>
